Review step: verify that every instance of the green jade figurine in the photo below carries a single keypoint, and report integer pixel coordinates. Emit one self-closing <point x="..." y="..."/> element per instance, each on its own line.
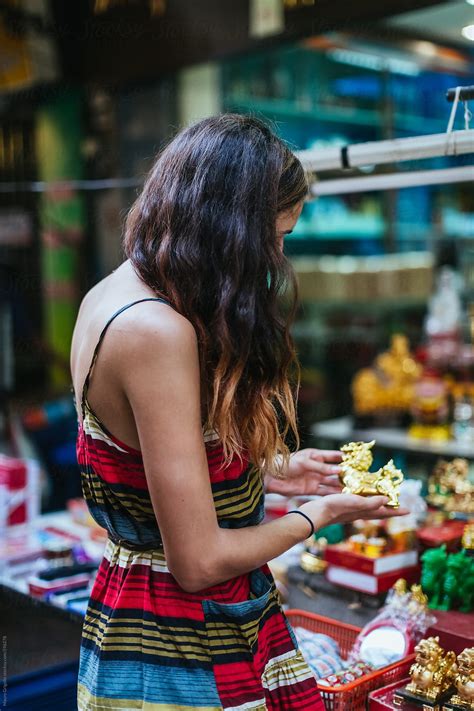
<point x="466" y="589"/>
<point x="448" y="580"/>
<point x="455" y="570"/>
<point x="432" y="574"/>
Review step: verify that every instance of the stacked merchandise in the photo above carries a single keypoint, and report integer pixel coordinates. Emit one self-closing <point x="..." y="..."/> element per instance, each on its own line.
<point x="438" y="679"/>
<point x="53" y="557"/>
<point x="351" y="279"/>
<point x="432" y="390"/>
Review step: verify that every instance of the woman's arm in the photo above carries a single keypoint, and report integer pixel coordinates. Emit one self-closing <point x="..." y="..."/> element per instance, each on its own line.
<point x="158" y="368"/>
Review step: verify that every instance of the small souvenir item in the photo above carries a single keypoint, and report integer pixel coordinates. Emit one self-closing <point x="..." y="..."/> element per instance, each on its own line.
<point x="375" y="547"/>
<point x="312" y="558"/>
<point x="321" y="652"/>
<point x="432" y="676"/>
<point x="393" y="633"/>
<point x="383" y="643"/>
<point x="455" y="571"/>
<point x="400" y="587"/>
<point x="402" y="529"/>
<point x="449" y="487"/>
<point x="357" y="479"/>
<point x="464" y="682"/>
<point x="19" y="492"/>
<point x="357" y="542"/>
<point x="466" y="589"/>
<point x="347" y="676"/>
<point x="418" y="599"/>
<point x="468" y="539"/>
<point x="430" y="410"/>
<point x="384" y="392"/>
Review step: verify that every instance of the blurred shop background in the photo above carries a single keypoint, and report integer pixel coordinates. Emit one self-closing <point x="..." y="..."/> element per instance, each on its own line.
<point x="90" y="90"/>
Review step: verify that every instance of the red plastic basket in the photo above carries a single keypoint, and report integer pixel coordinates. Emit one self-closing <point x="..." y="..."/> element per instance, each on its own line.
<point x="352" y="696"/>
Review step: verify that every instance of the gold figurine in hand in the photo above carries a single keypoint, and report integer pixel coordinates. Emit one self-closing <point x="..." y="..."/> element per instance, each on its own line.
<point x="357" y="479"/>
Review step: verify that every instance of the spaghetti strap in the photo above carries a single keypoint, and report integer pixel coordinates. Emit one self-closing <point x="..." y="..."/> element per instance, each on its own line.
<point x="85" y="387"/>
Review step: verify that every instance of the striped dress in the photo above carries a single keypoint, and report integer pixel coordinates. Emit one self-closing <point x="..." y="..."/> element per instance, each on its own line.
<point x="147" y="643"/>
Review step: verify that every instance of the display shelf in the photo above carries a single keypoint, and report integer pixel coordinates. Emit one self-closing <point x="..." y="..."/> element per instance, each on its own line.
<point x="419" y="124"/>
<point x="289" y="109"/>
<point x="354" y="305"/>
<point x="368" y="118"/>
<point x="364" y="245"/>
<point x="317" y="98"/>
<point x="342" y="429"/>
<point x="347" y="231"/>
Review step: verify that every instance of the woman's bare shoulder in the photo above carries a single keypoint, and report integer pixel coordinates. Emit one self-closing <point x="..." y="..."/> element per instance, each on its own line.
<point x="147" y="327"/>
<point x="149" y="330"/>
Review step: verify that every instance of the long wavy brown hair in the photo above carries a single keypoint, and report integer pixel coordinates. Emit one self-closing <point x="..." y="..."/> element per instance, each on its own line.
<point x="202" y="234"/>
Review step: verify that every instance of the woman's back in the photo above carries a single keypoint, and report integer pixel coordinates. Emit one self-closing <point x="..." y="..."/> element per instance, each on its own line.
<point x="147" y="642"/>
<point x="120" y="287"/>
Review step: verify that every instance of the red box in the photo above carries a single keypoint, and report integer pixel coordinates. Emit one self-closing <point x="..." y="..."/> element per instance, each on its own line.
<point x="382" y="699"/>
<point x="13" y="480"/>
<point x="38" y="587"/>
<point x="340" y="554"/>
<point x="455" y="629"/>
<point x="370" y="584"/>
<point x="449" y="533"/>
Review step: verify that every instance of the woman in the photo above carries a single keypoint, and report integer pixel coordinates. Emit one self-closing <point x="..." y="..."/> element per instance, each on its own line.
<point x="184" y="425"/>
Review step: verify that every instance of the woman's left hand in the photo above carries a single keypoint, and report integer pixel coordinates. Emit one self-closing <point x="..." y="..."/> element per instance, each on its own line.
<point x="310" y="472"/>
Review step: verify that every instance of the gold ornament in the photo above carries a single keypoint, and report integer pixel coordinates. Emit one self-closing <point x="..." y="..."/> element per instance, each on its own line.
<point x="312" y="558"/>
<point x="400" y="586"/>
<point x="357" y="479"/>
<point x="388" y="385"/>
<point x="468" y="536"/>
<point x="433" y="672"/>
<point x="464" y="681"/>
<point x="417" y="599"/>
<point x="448" y="479"/>
<point x="449" y="487"/>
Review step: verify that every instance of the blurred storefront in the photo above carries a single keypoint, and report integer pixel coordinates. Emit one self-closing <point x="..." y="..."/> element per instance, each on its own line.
<point x="90" y="91"/>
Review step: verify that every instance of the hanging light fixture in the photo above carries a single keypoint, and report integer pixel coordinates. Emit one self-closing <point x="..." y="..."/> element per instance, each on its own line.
<point x="157" y="7"/>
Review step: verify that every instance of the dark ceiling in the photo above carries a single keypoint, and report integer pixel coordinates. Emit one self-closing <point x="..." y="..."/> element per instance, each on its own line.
<point x="125" y="43"/>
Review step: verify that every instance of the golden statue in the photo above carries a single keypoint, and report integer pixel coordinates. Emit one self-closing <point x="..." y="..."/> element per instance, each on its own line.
<point x="464" y="681"/>
<point x="418" y="597"/>
<point x="400" y="587"/>
<point x="357" y="479"/>
<point x="450" y="488"/>
<point x="447" y="479"/>
<point x="433" y="672"/>
<point x="468" y="536"/>
<point x="388" y="385"/>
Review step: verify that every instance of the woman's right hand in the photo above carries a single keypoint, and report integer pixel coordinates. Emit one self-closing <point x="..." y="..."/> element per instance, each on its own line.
<point x="345" y="508"/>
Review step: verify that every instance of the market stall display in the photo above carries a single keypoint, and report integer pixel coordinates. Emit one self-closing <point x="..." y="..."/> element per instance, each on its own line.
<point x="432" y="676"/>
<point x="420" y="399"/>
<point x="345" y="694"/>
